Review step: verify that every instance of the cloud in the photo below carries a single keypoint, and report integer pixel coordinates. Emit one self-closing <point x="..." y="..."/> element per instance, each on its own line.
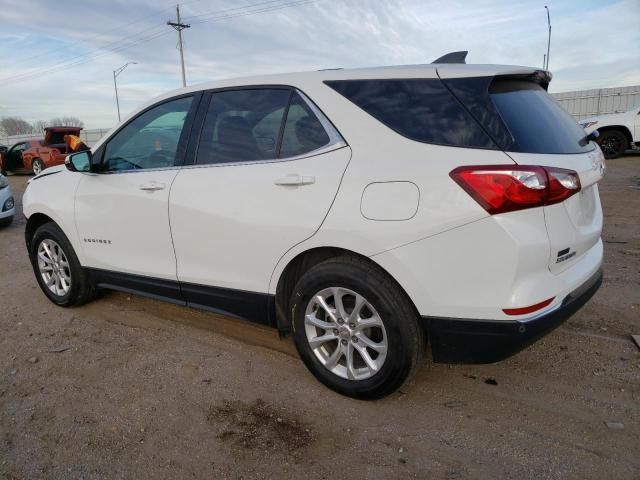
<point x="37" y="36"/>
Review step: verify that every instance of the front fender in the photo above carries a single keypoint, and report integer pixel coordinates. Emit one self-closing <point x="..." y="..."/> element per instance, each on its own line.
<point x="52" y="193"/>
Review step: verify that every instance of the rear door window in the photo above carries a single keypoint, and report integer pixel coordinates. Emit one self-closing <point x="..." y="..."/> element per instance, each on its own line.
<point x="254" y="124"/>
<point x="303" y="132"/>
<point x="243" y="125"/>
<point x="420" y="109"/>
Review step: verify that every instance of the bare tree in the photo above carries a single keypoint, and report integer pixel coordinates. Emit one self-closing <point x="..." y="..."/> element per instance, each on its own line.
<point x="38" y="126"/>
<point x="72" y="122"/>
<point x="14" y="126"/>
<point x="65" y="122"/>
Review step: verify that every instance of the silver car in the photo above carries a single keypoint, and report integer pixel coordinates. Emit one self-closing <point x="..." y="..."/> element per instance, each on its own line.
<point x="7" y="203"/>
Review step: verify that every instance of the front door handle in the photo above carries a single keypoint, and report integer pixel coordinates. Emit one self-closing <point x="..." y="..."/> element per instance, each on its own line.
<point x="295" y="180"/>
<point x="151" y="186"/>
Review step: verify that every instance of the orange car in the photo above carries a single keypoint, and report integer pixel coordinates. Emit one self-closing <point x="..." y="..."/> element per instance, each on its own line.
<point x="36" y="155"/>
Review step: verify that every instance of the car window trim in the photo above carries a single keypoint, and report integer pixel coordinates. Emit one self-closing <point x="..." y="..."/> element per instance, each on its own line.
<point x="283" y="123"/>
<point x="336" y="140"/>
<point x="183" y="142"/>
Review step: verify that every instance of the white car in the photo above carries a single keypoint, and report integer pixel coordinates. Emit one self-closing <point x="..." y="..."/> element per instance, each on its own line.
<point x="617" y="131"/>
<point x="7" y="203"/>
<point x="362" y="211"/>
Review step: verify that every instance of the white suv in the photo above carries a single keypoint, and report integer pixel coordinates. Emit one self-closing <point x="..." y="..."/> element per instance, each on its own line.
<point x="362" y="211"/>
<point x="618" y="132"/>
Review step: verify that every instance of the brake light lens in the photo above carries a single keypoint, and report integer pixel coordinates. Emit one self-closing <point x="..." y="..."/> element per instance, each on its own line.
<point x="506" y="188"/>
<point x="529" y="309"/>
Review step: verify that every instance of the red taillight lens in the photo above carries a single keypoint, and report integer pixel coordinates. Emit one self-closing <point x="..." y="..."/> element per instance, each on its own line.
<point x="529" y="309"/>
<point x="562" y="184"/>
<point x="506" y="188"/>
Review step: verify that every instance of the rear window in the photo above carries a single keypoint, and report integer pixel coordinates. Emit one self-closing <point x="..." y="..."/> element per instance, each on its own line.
<point x="536" y="122"/>
<point x="420" y="109"/>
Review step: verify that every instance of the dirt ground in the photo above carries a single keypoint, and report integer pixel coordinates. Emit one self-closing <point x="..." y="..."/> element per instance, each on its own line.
<point x="127" y="387"/>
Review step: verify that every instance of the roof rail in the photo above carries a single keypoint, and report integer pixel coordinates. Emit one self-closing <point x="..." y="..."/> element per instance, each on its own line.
<point x="453" y="57"/>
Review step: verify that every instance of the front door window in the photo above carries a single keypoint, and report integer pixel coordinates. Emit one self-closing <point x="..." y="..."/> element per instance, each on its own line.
<point x="151" y="140"/>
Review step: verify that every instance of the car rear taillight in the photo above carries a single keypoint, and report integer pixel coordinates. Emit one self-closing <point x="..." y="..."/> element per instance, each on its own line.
<point x="529" y="309"/>
<point x="506" y="188"/>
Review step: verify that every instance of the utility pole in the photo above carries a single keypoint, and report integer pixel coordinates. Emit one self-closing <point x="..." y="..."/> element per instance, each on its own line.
<point x="544" y="61"/>
<point x="549" y="38"/>
<point x="179" y="27"/>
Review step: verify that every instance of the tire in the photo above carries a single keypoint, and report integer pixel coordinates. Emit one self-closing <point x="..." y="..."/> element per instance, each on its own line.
<point x="393" y="319"/>
<point x="613" y="143"/>
<point x="37" y="166"/>
<point x="5" y="222"/>
<point x="61" y="258"/>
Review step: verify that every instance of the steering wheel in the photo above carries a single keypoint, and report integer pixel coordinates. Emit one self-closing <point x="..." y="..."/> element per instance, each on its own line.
<point x="120" y="163"/>
<point x="161" y="158"/>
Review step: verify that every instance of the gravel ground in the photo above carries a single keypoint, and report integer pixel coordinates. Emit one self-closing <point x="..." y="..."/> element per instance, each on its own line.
<point x="128" y="387"/>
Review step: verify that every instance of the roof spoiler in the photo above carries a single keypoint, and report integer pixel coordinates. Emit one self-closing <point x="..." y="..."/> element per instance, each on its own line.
<point x="453" y="57"/>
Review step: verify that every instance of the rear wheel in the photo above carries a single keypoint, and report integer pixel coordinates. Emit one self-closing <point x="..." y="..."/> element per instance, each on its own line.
<point x="57" y="268"/>
<point x="613" y="143"/>
<point x="355" y="329"/>
<point x="37" y="166"/>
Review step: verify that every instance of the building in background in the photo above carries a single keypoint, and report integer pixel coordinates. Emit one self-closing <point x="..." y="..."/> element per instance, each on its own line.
<point x="588" y="103"/>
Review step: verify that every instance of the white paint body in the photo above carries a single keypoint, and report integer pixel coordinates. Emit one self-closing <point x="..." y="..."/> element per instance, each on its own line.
<point x="629" y="120"/>
<point x="381" y="195"/>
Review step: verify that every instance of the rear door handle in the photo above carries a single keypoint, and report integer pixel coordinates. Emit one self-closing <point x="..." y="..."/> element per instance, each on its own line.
<point x="151" y="186"/>
<point x="295" y="180"/>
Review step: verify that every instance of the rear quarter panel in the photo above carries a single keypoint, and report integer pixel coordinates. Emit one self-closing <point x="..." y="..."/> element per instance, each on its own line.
<point x="379" y="154"/>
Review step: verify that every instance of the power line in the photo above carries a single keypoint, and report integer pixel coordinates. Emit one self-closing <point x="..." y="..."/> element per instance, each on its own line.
<point x="225" y="10"/>
<point x="119" y="28"/>
<point x="85" y="58"/>
<point x="138" y="39"/>
<point x="252" y="12"/>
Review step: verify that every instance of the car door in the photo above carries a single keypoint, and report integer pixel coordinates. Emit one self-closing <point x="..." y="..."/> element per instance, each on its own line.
<point x="14" y="157"/>
<point x="121" y="210"/>
<point x="267" y="168"/>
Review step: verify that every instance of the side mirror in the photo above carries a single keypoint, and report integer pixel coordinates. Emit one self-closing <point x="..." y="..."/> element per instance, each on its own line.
<point x="593" y="135"/>
<point x="589" y="137"/>
<point x="79" y="162"/>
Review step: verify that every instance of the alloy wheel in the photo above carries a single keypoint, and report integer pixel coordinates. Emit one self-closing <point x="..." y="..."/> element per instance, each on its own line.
<point x="610" y="144"/>
<point x="346" y="333"/>
<point x="54" y="267"/>
<point x="37" y="167"/>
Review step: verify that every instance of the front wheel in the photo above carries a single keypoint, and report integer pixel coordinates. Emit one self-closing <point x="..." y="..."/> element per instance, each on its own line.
<point x="613" y="143"/>
<point x="37" y="166"/>
<point x="57" y="268"/>
<point x="355" y="329"/>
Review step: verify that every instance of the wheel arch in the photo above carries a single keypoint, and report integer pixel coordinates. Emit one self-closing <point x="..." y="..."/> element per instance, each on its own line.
<point x="34" y="222"/>
<point x="621" y="128"/>
<point x="301" y="263"/>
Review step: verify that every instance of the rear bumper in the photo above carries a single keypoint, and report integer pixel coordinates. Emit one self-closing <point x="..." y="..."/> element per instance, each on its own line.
<point x="486" y="341"/>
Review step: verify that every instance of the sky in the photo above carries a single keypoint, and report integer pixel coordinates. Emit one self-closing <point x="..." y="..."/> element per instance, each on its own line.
<point x="57" y="57"/>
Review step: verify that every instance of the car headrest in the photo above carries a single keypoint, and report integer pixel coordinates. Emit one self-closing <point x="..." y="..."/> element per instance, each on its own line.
<point x="235" y="131"/>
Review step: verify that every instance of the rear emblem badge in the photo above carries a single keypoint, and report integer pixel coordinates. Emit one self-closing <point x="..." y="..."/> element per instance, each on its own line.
<point x="564" y="255"/>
